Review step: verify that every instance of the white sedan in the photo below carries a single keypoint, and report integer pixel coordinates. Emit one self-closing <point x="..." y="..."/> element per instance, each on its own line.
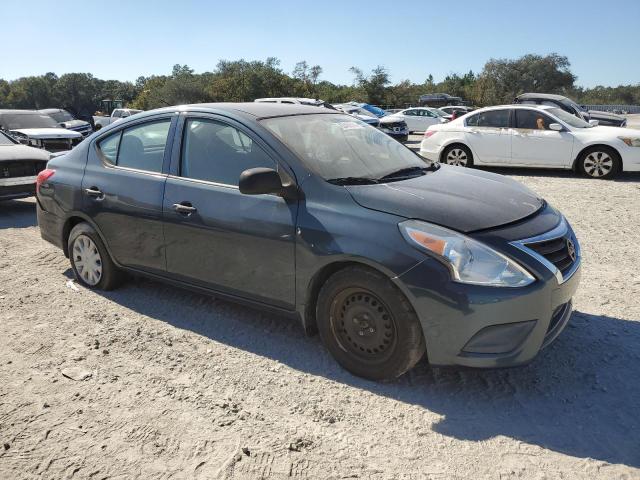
<point x="418" y="119"/>
<point x="533" y="136"/>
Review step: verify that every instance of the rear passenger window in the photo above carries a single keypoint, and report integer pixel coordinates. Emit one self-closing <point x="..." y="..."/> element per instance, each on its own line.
<point x="217" y="152"/>
<point x="491" y="118"/>
<point x="140" y="147"/>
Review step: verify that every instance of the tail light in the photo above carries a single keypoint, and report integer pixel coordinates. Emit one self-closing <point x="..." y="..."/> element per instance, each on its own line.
<point x="429" y="133"/>
<point x="42" y="177"/>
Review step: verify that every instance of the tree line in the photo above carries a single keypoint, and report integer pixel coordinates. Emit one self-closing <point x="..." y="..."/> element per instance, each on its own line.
<point x="239" y="80"/>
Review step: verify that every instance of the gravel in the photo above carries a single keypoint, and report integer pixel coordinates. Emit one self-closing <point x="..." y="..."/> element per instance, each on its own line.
<point x="151" y="381"/>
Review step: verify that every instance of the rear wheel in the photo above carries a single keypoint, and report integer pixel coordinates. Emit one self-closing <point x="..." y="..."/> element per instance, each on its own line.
<point x="599" y="162"/>
<point x="368" y="325"/>
<point x="458" y="155"/>
<point x="90" y="260"/>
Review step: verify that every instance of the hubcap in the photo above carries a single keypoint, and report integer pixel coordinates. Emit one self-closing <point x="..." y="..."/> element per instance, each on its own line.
<point x="87" y="260"/>
<point x="598" y="164"/>
<point x="362" y="325"/>
<point x="458" y="157"/>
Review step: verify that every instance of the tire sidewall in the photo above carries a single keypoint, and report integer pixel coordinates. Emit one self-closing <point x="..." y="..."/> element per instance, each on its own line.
<point x="409" y="346"/>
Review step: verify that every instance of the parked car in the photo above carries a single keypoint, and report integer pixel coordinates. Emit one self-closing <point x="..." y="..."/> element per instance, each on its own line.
<point x="418" y="119"/>
<point x="394" y="127"/>
<point x="19" y="165"/>
<point x="38" y="130"/>
<point x="458" y="109"/>
<point x="533" y="136"/>
<point x="314" y="102"/>
<point x="438" y="100"/>
<point x="68" y="121"/>
<point x="359" y="113"/>
<point x="568" y="105"/>
<point x="116" y="115"/>
<point x="377" y="111"/>
<point x="306" y="212"/>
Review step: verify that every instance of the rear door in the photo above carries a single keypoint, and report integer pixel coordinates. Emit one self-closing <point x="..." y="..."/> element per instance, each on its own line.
<point x="534" y="144"/>
<point x="122" y="189"/>
<point x="488" y="134"/>
<point x="411" y="118"/>
<point x="225" y="240"/>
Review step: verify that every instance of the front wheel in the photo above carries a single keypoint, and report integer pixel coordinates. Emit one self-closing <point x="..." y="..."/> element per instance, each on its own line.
<point x="458" y="155"/>
<point x="368" y="325"/>
<point x="599" y="162"/>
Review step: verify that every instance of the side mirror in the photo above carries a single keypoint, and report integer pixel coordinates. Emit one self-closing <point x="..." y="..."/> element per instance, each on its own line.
<point x="258" y="181"/>
<point x="595" y="123"/>
<point x="63" y="125"/>
<point x="555" y="127"/>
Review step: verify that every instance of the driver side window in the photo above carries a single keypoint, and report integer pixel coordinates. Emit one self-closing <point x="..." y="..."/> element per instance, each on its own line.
<point x="217" y="152"/>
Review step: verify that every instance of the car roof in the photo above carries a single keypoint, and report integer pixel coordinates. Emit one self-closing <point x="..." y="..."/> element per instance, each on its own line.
<point x="258" y="110"/>
<point x="549" y="96"/>
<point x="51" y="110"/>
<point x="516" y="106"/>
<point x="17" y="112"/>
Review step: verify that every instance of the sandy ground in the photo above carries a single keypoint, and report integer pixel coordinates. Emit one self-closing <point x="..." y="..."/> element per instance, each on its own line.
<point x="152" y="382"/>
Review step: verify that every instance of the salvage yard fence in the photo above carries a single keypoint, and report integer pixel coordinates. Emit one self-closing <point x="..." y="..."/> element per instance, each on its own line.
<point x="614" y="108"/>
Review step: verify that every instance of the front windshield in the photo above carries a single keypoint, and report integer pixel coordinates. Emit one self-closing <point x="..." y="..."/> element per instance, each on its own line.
<point x="5" y="140"/>
<point x="566" y="117"/>
<point x="62" y="116"/>
<point x="15" y="121"/>
<point x="339" y="146"/>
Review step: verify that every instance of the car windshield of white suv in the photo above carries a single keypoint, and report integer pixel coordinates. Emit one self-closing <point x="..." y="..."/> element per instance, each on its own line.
<point x="15" y="121"/>
<point x="62" y="116"/>
<point x="566" y="117"/>
<point x="344" y="150"/>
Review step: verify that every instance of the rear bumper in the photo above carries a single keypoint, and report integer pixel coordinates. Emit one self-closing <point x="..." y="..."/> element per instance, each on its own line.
<point x="51" y="227"/>
<point x="21" y="187"/>
<point x="488" y="327"/>
<point x="430" y="151"/>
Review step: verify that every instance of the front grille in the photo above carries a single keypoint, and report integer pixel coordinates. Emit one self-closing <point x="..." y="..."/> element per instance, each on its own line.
<point x="393" y="125"/>
<point x="21" y="169"/>
<point x="59" y="144"/>
<point x="556" y="251"/>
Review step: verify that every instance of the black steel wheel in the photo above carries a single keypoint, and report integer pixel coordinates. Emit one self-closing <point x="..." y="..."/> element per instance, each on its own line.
<point x="368" y="325"/>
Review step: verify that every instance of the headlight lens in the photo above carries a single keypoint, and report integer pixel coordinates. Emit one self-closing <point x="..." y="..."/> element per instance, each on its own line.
<point x="632" y="142"/>
<point x="470" y="261"/>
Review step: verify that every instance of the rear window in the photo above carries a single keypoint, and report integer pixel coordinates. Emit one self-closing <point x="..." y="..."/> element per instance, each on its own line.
<point x="140" y="147"/>
<point x="490" y="118"/>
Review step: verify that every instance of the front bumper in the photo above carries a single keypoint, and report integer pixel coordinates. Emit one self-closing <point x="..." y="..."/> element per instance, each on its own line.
<point x="630" y="158"/>
<point x="480" y="326"/>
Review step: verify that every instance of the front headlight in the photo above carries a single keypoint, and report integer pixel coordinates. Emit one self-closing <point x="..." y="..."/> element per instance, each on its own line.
<point x="632" y="142"/>
<point x="470" y="261"/>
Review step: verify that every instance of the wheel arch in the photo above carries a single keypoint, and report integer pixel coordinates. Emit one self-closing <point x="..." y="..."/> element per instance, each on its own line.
<point x="456" y="142"/>
<point x="308" y="313"/>
<point x="73" y="220"/>
<point x="586" y="148"/>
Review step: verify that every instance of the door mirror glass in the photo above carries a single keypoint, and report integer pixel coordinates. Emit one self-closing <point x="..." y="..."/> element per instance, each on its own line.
<point x="594" y="123"/>
<point x="555" y="126"/>
<point x="258" y="181"/>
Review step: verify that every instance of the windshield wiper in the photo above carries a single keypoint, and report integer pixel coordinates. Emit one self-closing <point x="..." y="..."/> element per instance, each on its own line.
<point x="404" y="173"/>
<point x="352" y="181"/>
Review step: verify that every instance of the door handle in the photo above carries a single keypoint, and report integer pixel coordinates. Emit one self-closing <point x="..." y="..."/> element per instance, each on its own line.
<point x="94" y="192"/>
<point x="184" y="208"/>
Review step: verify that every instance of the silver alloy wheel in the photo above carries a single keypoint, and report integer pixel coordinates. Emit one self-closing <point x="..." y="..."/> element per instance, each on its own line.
<point x="87" y="260"/>
<point x="598" y="164"/>
<point x="457" y="156"/>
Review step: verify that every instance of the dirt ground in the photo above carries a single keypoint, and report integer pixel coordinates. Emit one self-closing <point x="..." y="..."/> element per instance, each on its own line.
<point x="153" y="382"/>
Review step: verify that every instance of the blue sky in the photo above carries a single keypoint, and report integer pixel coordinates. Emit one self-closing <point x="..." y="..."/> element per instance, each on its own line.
<point x="125" y="39"/>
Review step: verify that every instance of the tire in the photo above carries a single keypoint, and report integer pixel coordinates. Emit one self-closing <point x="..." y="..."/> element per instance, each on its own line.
<point x="599" y="162"/>
<point x="368" y="325"/>
<point x="90" y="261"/>
<point x="458" y="155"/>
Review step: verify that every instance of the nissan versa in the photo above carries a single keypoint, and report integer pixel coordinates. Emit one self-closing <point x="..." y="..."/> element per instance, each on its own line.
<point x="316" y="214"/>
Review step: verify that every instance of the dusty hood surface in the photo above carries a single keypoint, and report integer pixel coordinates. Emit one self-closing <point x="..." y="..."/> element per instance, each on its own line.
<point x="48" y="133"/>
<point x="22" y="152"/>
<point x="458" y="198"/>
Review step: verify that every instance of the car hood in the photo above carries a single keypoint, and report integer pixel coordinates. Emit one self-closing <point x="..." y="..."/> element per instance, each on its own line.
<point x="71" y="124"/>
<point x="391" y="119"/>
<point x="454" y="197"/>
<point x="596" y="114"/>
<point x="44" y="133"/>
<point x="22" y="152"/>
